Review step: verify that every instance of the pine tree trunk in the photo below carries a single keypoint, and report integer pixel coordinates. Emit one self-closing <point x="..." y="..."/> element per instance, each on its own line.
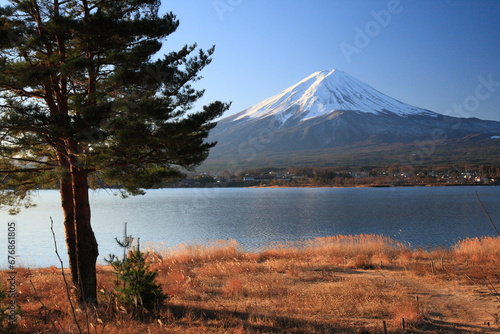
<point x="66" y="191"/>
<point x="80" y="239"/>
<point x="86" y="243"/>
<point x="67" y="203"/>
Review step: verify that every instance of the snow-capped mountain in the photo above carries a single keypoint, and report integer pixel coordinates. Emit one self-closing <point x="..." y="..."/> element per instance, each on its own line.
<point x="332" y="118"/>
<point x="325" y="92"/>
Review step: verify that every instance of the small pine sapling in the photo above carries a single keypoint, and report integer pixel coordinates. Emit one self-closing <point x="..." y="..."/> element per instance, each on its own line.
<point x="136" y="287"/>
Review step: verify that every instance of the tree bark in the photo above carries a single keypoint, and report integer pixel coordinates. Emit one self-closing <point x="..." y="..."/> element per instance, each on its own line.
<point x="86" y="243"/>
<point x="67" y="203"/>
<point x="80" y="239"/>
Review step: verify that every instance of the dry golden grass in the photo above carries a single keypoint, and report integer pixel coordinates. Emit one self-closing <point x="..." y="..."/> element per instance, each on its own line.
<point x="341" y="284"/>
<point x="478" y="250"/>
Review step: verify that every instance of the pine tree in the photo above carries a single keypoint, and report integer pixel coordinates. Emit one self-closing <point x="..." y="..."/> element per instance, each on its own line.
<point x="85" y="104"/>
<point x="136" y="287"/>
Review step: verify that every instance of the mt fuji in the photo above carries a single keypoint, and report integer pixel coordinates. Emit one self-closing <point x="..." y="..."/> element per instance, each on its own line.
<point x="331" y="118"/>
<point x="325" y="92"/>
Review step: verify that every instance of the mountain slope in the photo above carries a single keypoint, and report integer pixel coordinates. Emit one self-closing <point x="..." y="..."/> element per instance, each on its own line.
<point x="331" y="112"/>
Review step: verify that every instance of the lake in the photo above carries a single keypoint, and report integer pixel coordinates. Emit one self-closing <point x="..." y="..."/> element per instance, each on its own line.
<point x="256" y="217"/>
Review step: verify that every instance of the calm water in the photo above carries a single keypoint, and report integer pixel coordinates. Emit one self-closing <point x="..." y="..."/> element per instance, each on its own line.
<point x="256" y="217"/>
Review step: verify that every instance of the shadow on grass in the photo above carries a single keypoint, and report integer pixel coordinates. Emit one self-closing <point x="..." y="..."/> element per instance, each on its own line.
<point x="440" y="326"/>
<point x="260" y="323"/>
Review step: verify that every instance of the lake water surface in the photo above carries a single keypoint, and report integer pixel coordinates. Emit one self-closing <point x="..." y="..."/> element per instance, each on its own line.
<point x="255" y="217"/>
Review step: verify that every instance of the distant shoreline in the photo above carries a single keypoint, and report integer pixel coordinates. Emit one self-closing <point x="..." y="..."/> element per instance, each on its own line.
<point x="375" y="186"/>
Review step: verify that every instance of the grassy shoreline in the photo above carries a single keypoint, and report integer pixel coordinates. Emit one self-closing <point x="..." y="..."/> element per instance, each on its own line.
<point x="341" y="284"/>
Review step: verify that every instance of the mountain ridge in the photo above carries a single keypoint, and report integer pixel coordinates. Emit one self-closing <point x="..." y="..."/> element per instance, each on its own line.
<point x="331" y="109"/>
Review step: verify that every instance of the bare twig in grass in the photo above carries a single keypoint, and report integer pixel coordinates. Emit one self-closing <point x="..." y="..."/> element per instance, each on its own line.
<point x="489" y="284"/>
<point x="37" y="298"/>
<point x="493" y="290"/>
<point x="68" y="293"/>
<point x="473" y="282"/>
<point x="487" y="214"/>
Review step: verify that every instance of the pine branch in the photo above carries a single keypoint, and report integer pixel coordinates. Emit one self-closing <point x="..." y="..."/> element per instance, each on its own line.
<point x="48" y="163"/>
<point x="25" y="170"/>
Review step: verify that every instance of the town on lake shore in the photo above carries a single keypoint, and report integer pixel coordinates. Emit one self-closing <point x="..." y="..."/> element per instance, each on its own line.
<point x="367" y="176"/>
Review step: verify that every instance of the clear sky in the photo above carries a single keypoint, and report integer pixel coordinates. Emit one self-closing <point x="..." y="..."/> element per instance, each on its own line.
<point x="442" y="55"/>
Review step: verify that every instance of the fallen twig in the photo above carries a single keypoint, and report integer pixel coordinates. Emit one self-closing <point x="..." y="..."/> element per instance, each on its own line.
<point x="37" y="298"/>
<point x="68" y="293"/>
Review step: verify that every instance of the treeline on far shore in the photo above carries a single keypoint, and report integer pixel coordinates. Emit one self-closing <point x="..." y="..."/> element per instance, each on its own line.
<point x="394" y="175"/>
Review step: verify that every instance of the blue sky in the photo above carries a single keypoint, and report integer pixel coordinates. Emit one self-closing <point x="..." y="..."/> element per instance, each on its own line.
<point x="441" y="55"/>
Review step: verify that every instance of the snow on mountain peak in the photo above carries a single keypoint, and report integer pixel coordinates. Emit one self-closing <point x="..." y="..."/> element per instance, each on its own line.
<point x="325" y="92"/>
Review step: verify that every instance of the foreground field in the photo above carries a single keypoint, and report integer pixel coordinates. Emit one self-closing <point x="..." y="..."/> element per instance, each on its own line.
<point x="342" y="284"/>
